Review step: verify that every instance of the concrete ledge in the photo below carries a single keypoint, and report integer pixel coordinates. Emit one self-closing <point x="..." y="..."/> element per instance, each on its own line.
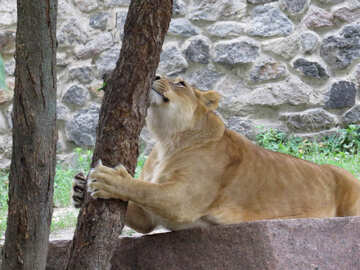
<point x="275" y="244"/>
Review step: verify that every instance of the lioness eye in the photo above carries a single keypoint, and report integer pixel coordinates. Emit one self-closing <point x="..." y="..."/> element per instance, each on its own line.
<point x="181" y="84"/>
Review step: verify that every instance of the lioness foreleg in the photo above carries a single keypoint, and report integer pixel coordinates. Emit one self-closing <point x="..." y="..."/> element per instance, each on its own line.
<point x="138" y="219"/>
<point x="166" y="200"/>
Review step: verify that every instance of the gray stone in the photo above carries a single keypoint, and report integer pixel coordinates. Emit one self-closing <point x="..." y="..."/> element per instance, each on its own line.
<point x="310" y="69"/>
<point x="214" y="10"/>
<point x="266" y="70"/>
<point x="352" y="116"/>
<point x="82" y="128"/>
<point x="318" y="18"/>
<point x="236" y="51"/>
<point x="69" y="161"/>
<point x="355" y="76"/>
<point x="340" y="51"/>
<point x="76" y="95"/>
<point x="287" y="47"/>
<point x="183" y="27"/>
<point x="351" y="31"/>
<point x="243" y="126"/>
<point x="83" y="74"/>
<point x="232" y="88"/>
<point x="86" y="5"/>
<point x="172" y="62"/>
<point x="205" y="78"/>
<point x="331" y="2"/>
<point x="309" y="121"/>
<point x="197" y="49"/>
<point x="347" y="15"/>
<point x="4" y="165"/>
<point x="6" y="146"/>
<point x="7" y="13"/>
<point x="341" y="95"/>
<point x="299" y="244"/>
<point x="106" y="61"/>
<point x="4" y="129"/>
<point x="65" y="11"/>
<point x="179" y="8"/>
<point x="102" y="42"/>
<point x="99" y="20"/>
<point x="62" y="112"/>
<point x="10" y="67"/>
<point x="6" y="96"/>
<point x="116" y="3"/>
<point x="226" y="29"/>
<point x="269" y="21"/>
<point x="309" y="42"/>
<point x="353" y="4"/>
<point x="120" y="21"/>
<point x="260" y="1"/>
<point x="294" y="7"/>
<point x="9" y="115"/>
<point x="62" y="60"/>
<point x="291" y="92"/>
<point x="71" y="33"/>
<point x="7" y="41"/>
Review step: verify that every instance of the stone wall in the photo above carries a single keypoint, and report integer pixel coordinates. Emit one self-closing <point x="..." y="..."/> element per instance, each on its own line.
<point x="287" y="64"/>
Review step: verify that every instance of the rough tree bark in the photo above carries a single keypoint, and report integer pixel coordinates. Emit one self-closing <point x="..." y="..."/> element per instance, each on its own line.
<point x="121" y="119"/>
<point x="34" y="137"/>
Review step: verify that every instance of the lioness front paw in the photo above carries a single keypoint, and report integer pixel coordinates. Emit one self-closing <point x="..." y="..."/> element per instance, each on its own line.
<point x="105" y="182"/>
<point x="78" y="190"/>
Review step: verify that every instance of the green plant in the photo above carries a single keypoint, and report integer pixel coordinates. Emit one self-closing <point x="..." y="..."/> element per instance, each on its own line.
<point x="84" y="157"/>
<point x="65" y="221"/>
<point x="4" y="185"/>
<point x="140" y="164"/>
<point x="2" y="74"/>
<point x="344" y="141"/>
<point x="102" y="88"/>
<point x="64" y="176"/>
<point x="271" y="139"/>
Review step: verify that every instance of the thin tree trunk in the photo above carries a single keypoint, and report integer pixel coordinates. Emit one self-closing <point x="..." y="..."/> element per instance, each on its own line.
<point x="34" y="137"/>
<point x="121" y="119"/>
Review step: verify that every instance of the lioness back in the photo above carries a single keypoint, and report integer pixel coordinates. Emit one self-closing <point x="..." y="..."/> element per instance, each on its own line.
<point x="262" y="184"/>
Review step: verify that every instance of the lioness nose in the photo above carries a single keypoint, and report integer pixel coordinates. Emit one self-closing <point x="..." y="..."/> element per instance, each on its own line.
<point x="157" y="77"/>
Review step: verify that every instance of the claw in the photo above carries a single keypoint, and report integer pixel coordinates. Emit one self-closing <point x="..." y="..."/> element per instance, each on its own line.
<point x="90" y="173"/>
<point x="120" y="167"/>
<point x="93" y="194"/>
<point x="90" y="189"/>
<point x="78" y="190"/>
<point x="98" y="163"/>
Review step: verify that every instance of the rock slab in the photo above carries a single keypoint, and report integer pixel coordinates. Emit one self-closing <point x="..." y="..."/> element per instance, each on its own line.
<point x="330" y="244"/>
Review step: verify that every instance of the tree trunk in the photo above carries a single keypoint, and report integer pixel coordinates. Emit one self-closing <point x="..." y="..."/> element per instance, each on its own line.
<point x="34" y="137"/>
<point x="121" y="119"/>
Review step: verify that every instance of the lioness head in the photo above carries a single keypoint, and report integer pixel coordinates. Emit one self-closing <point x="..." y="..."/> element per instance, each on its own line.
<point x="176" y="106"/>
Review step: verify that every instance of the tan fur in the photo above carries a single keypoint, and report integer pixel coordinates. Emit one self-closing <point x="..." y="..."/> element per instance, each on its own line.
<point x="200" y="173"/>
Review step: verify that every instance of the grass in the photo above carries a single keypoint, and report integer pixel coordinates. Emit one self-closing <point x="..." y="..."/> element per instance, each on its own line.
<point x="62" y="221"/>
<point x="65" y="174"/>
<point x="3" y="201"/>
<point x="62" y="192"/>
<point x="341" y="150"/>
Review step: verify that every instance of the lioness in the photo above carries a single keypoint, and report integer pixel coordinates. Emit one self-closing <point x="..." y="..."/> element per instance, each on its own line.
<point x="200" y="173"/>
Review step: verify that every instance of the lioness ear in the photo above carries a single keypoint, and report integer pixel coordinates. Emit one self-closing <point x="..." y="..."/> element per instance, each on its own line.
<point x="210" y="99"/>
